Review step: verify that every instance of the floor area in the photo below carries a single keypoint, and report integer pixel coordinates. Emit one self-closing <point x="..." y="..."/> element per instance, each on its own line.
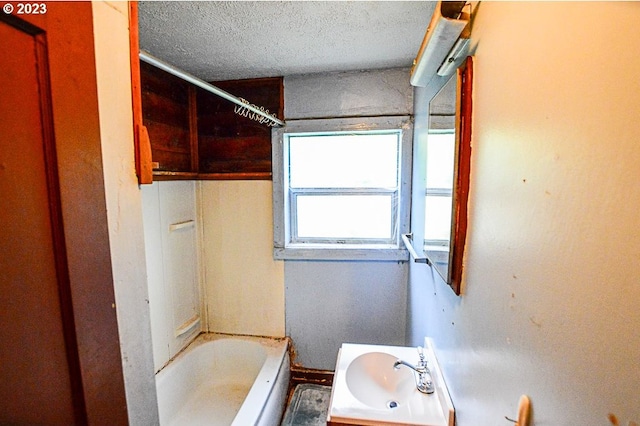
<point x="308" y="406"/>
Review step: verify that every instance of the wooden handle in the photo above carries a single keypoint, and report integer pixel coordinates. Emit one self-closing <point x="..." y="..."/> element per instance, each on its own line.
<point x="524" y="411"/>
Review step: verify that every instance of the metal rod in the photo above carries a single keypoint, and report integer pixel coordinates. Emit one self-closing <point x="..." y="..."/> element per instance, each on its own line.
<point x="150" y="59"/>
<point x="407" y="242"/>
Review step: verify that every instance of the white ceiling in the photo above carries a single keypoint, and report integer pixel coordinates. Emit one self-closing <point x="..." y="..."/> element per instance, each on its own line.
<point x="224" y="40"/>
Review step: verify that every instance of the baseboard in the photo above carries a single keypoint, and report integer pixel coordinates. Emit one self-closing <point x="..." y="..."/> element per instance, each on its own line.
<point x="308" y="375"/>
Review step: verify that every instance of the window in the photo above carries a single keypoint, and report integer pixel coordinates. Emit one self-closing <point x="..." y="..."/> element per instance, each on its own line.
<point x="341" y="188"/>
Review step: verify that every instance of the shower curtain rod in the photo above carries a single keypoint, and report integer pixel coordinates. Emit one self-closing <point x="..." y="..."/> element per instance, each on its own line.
<point x="245" y="105"/>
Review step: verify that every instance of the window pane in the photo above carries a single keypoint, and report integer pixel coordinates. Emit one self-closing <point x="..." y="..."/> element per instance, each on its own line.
<point x="440" y="158"/>
<point x="344" y="161"/>
<point x="437" y="223"/>
<point x="344" y="216"/>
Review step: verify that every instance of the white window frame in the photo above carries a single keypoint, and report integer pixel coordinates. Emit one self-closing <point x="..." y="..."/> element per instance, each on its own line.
<point x="287" y="246"/>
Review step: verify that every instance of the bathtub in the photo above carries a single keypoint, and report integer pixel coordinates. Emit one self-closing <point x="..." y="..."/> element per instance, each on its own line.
<point x="225" y="380"/>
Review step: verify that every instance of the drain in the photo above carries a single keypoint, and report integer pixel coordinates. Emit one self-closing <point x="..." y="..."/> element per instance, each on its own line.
<point x="392" y="404"/>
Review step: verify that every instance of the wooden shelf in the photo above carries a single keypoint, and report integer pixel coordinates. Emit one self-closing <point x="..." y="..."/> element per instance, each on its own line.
<point x="166" y="175"/>
<point x="235" y="176"/>
<point x="195" y="134"/>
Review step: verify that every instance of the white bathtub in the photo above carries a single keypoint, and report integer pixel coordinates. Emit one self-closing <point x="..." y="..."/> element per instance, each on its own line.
<point x="225" y="380"/>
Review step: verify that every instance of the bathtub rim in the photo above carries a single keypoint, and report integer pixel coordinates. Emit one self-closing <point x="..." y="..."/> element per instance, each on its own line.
<point x="207" y="336"/>
<point x="269" y="377"/>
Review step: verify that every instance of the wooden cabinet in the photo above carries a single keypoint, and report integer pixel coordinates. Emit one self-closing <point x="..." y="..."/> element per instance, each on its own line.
<point x="230" y="144"/>
<point x="168" y="113"/>
<point x="195" y="134"/>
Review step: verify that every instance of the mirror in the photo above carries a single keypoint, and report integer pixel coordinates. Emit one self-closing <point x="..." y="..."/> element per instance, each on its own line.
<point x="447" y="175"/>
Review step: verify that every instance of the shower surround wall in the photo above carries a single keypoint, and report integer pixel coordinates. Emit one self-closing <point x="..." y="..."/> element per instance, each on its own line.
<point x="244" y="290"/>
<point x="171" y="229"/>
<point x="219" y="270"/>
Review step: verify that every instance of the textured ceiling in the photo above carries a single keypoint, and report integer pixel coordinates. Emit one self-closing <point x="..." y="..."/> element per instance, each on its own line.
<point x="224" y="40"/>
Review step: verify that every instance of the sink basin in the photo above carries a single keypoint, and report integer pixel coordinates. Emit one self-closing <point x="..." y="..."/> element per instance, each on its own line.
<point x="367" y="390"/>
<point x="372" y="379"/>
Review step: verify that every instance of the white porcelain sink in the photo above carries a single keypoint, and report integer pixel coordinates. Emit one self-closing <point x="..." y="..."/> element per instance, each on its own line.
<point x="367" y="390"/>
<point x="372" y="379"/>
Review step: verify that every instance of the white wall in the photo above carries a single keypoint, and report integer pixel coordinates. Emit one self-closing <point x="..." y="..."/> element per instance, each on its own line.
<point x="124" y="209"/>
<point x="329" y="303"/>
<point x="345" y="94"/>
<point x="244" y="286"/>
<point x="552" y="263"/>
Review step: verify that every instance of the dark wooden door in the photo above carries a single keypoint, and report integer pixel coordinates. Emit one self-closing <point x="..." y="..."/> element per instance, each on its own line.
<point x="39" y="366"/>
<point x="60" y="356"/>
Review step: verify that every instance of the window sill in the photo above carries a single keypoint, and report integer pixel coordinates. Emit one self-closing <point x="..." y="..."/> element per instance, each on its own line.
<point x="330" y="252"/>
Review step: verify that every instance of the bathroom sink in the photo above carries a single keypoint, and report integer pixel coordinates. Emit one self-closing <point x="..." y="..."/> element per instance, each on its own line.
<point x="372" y="379"/>
<point x="368" y="390"/>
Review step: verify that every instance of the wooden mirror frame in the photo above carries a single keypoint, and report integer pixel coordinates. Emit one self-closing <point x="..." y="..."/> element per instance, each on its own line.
<point x="451" y="273"/>
<point x="461" y="189"/>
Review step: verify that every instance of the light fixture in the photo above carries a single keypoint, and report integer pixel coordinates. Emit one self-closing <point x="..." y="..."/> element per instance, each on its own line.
<point x="444" y="30"/>
<point x="453" y="59"/>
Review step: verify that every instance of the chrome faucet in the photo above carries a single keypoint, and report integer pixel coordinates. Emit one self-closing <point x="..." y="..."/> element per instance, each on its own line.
<point x="424" y="383"/>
